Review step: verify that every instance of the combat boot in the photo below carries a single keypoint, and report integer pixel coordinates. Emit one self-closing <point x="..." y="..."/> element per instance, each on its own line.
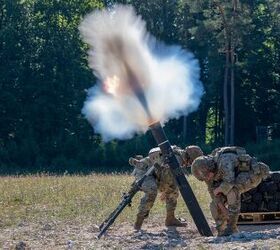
<point x="221" y="228"/>
<point x="231" y="226"/>
<point x="171" y="221"/>
<point x="138" y="223"/>
<point x="230" y="230"/>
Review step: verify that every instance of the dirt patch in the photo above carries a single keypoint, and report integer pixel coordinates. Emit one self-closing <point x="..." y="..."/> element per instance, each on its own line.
<point x="75" y="235"/>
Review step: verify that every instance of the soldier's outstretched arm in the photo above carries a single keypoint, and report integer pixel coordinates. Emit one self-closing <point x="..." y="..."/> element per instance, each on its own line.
<point x="220" y="200"/>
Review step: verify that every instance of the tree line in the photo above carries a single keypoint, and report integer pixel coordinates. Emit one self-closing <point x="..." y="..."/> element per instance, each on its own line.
<point x="45" y="76"/>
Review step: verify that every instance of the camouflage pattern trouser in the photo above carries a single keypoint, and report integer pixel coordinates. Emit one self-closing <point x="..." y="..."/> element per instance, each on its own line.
<point x="233" y="202"/>
<point x="165" y="183"/>
<point x="218" y="214"/>
<point x="168" y="188"/>
<point x="243" y="183"/>
<point x="149" y="187"/>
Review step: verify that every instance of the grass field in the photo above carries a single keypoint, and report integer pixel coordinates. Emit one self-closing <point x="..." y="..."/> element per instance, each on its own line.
<point x="37" y="198"/>
<point x="61" y="212"/>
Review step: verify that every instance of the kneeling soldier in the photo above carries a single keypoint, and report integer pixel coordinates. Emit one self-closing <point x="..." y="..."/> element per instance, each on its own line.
<point x="228" y="172"/>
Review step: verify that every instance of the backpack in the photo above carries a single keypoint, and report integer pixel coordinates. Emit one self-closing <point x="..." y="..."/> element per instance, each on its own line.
<point x="244" y="159"/>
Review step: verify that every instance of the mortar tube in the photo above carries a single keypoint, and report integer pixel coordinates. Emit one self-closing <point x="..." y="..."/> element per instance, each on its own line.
<point x="183" y="185"/>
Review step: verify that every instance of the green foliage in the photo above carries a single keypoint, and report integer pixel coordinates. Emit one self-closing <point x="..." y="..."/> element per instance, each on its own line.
<point x="44" y="78"/>
<point x="268" y="152"/>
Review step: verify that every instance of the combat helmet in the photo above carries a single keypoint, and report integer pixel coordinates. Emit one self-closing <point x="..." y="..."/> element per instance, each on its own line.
<point x="201" y="166"/>
<point x="139" y="157"/>
<point x="155" y="155"/>
<point x="192" y="152"/>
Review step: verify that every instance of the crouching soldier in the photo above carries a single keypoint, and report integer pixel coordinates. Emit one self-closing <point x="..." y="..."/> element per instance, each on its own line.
<point x="162" y="180"/>
<point x="228" y="172"/>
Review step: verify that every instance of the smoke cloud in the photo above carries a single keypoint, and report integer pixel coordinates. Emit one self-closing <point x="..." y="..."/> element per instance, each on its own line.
<point x="121" y="47"/>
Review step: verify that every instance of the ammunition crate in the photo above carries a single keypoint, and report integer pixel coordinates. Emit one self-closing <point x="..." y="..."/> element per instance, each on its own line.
<point x="262" y="204"/>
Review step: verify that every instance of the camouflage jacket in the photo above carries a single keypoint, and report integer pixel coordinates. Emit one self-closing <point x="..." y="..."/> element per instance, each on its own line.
<point x="227" y="161"/>
<point x="142" y="165"/>
<point x="226" y="167"/>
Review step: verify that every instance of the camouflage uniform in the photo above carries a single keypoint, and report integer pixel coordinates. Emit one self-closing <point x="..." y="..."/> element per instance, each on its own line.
<point x="149" y="186"/>
<point x="234" y="172"/>
<point x="162" y="180"/>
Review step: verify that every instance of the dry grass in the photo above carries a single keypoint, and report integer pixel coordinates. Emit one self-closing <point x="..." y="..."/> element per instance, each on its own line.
<point x="37" y="198"/>
<point x="59" y="212"/>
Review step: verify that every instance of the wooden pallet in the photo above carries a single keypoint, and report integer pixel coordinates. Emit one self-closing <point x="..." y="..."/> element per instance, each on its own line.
<point x="259" y="218"/>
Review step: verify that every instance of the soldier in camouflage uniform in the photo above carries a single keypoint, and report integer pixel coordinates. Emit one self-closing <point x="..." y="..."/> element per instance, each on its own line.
<point x="162" y="180"/>
<point x="228" y="172"/>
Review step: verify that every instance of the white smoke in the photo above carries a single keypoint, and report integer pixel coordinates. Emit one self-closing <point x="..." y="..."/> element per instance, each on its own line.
<point x="169" y="76"/>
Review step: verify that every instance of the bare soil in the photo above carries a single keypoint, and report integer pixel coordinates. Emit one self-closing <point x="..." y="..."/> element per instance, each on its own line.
<point x="77" y="235"/>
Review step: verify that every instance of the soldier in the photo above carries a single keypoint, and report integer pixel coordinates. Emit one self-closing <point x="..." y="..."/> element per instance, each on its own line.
<point x="162" y="180"/>
<point x="228" y="172"/>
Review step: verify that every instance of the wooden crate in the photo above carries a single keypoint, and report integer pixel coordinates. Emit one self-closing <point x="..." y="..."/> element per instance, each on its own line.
<point x="259" y="218"/>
